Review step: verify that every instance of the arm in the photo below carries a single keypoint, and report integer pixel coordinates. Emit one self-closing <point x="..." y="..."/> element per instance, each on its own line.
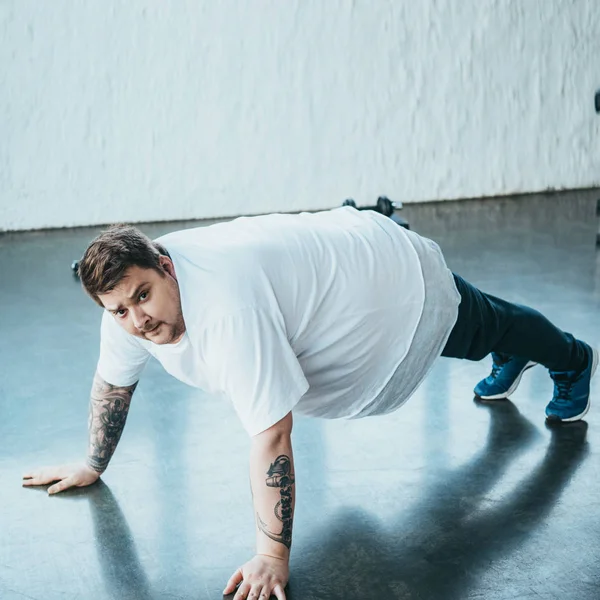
<point x="109" y="406"/>
<point x="272" y="477"/>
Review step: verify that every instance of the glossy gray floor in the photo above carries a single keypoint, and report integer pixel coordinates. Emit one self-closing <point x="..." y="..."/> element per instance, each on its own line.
<point x="444" y="499"/>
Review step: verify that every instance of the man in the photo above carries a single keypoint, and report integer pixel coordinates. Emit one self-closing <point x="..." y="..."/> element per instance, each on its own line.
<point x="338" y="314"/>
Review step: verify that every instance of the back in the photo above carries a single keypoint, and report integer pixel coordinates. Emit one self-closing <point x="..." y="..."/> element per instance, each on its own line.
<point x="347" y="285"/>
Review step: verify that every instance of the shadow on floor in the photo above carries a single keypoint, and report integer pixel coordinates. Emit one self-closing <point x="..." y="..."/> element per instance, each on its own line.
<point x="435" y="550"/>
<point x="438" y="549"/>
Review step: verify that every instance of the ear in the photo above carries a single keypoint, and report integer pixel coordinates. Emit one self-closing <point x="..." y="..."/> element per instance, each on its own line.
<point x="167" y="265"/>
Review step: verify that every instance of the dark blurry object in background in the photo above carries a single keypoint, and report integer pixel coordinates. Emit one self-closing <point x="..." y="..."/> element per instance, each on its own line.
<point x="384" y="206"/>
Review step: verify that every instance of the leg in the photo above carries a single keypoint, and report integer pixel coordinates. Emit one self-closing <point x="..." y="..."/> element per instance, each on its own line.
<point x="488" y="324"/>
<point x="519" y="337"/>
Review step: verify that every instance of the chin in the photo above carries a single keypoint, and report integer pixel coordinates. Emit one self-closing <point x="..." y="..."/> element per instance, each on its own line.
<point x="166" y="334"/>
<point x="161" y="337"/>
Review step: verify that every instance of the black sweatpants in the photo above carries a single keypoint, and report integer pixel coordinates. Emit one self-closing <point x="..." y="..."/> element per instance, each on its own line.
<point x="488" y="324"/>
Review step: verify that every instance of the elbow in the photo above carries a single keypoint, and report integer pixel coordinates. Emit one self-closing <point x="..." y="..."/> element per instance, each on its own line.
<point x="277" y="434"/>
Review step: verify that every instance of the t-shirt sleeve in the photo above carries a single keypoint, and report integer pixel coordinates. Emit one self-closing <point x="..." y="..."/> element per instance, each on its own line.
<point x="249" y="358"/>
<point x="122" y="358"/>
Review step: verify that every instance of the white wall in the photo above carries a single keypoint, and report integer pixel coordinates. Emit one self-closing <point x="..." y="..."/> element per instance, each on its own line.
<point x="151" y="110"/>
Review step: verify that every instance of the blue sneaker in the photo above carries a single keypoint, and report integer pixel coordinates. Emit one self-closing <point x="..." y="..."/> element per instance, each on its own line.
<point x="571" y="399"/>
<point x="505" y="377"/>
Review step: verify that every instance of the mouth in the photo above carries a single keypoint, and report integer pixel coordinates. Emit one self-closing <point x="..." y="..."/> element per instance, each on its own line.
<point x="152" y="330"/>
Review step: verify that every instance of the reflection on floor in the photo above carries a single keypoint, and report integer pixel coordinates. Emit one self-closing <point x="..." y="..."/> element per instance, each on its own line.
<point x="444" y="499"/>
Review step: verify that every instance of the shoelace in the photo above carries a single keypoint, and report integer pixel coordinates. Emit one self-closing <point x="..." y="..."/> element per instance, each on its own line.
<point x="564" y="390"/>
<point x="497" y="367"/>
<point x="495" y="370"/>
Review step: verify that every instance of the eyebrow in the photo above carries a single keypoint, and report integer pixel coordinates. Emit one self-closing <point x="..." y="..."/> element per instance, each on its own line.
<point x="134" y="295"/>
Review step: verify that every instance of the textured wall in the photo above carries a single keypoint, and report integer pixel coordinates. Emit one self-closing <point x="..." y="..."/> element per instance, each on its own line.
<point x="147" y="110"/>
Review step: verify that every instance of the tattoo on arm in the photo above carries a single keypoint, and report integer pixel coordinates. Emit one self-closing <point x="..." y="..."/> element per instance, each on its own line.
<point x="109" y="405"/>
<point x="280" y="476"/>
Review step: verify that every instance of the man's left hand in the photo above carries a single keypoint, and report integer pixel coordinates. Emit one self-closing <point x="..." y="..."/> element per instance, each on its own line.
<point x="259" y="578"/>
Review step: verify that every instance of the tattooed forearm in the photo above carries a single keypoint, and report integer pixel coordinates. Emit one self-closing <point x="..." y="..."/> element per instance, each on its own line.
<point x="109" y="406"/>
<point x="280" y="476"/>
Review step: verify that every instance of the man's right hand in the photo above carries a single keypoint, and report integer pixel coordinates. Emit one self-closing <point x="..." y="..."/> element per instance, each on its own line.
<point x="67" y="476"/>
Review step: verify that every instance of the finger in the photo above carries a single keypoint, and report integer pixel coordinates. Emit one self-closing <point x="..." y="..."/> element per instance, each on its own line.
<point x="61" y="486"/>
<point x="236" y="578"/>
<point x="242" y="592"/>
<point x="262" y="593"/>
<point x="30" y="483"/>
<point x="255" y="592"/>
<point x="40" y="479"/>
<point x="278" y="592"/>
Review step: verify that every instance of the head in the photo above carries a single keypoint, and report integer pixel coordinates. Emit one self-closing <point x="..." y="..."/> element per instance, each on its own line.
<point x="133" y="278"/>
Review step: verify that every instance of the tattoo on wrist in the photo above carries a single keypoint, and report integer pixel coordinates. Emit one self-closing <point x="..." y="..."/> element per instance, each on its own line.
<point x="280" y="476"/>
<point x="109" y="406"/>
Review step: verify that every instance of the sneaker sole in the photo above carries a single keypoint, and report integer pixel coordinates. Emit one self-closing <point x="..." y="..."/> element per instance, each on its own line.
<point x="555" y="419"/>
<point x="513" y="387"/>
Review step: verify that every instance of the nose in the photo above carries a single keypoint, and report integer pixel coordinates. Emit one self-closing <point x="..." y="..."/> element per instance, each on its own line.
<point x="139" y="318"/>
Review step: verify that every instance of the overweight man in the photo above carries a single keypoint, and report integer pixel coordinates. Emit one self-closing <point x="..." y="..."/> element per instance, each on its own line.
<point x="337" y="314"/>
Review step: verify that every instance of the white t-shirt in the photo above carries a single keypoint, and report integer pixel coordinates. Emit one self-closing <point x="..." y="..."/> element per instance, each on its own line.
<point x="311" y="312"/>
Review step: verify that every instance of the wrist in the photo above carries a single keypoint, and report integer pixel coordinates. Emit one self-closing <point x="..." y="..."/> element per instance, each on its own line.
<point x="274" y="550"/>
<point x="94" y="468"/>
<point x="285" y="559"/>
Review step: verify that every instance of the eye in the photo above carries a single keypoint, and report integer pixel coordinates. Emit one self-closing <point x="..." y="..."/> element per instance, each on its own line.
<point x="143" y="295"/>
<point x="120" y="312"/>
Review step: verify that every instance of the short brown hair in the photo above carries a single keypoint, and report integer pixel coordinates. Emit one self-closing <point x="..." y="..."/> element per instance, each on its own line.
<point x="109" y="255"/>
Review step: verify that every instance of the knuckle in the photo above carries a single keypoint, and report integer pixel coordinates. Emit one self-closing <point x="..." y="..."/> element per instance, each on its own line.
<point x="252" y="592"/>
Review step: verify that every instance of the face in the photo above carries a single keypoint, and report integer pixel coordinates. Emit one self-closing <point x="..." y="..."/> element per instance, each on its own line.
<point x="147" y="305"/>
